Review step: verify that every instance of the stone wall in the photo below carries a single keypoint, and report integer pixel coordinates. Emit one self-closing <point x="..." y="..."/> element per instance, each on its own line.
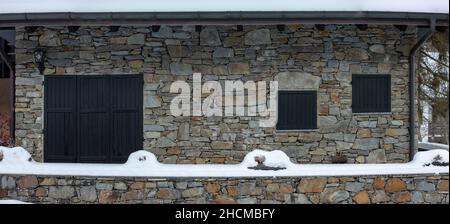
<point x="312" y="190"/>
<point x="329" y="56"/>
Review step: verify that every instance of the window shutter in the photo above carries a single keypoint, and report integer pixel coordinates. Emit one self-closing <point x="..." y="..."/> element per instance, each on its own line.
<point x="297" y="110"/>
<point x="371" y="93"/>
<point x="60" y="119"/>
<point x="126" y="116"/>
<point x="94" y="102"/>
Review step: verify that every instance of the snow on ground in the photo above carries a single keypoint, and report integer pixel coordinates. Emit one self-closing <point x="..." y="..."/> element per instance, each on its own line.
<point x="144" y="164"/>
<point x="33" y="6"/>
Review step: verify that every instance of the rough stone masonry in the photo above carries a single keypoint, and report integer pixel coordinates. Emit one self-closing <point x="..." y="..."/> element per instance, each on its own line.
<point x="324" y="58"/>
<point x="403" y="189"/>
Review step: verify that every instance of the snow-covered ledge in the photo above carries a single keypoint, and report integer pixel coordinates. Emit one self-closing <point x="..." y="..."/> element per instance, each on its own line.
<point x="432" y="146"/>
<point x="12" y="202"/>
<point x="275" y="164"/>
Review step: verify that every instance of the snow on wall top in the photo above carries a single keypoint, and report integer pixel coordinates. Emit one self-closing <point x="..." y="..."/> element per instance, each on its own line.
<point x="144" y="164"/>
<point x="12" y="202"/>
<point x="431" y="146"/>
<point x="46" y="6"/>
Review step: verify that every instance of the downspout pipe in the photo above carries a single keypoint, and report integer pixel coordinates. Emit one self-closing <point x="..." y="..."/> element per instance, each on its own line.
<point x="412" y="86"/>
<point x="12" y="89"/>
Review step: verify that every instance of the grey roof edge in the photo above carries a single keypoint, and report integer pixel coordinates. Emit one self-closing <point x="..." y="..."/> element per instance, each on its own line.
<point x="200" y="18"/>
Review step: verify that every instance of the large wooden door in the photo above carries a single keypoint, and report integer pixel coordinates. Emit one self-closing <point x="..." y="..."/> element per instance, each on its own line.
<point x="95" y="119"/>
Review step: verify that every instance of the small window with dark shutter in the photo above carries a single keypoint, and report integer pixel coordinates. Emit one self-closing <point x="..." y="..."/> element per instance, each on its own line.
<point x="371" y="93"/>
<point x="297" y="110"/>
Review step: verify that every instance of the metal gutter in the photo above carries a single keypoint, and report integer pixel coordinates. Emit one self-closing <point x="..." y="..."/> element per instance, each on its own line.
<point x="412" y="86"/>
<point x="221" y="18"/>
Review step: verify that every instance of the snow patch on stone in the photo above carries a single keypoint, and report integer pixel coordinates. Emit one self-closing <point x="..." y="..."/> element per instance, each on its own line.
<point x="427" y="157"/>
<point x="276" y="158"/>
<point x="142" y="158"/>
<point x="16" y="155"/>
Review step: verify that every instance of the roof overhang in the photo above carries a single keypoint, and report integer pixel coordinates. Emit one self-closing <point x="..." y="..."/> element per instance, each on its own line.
<point x="229" y="12"/>
<point x="221" y="18"/>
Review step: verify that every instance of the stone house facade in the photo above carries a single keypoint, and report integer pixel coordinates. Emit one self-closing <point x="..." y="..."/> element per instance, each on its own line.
<point x="317" y="58"/>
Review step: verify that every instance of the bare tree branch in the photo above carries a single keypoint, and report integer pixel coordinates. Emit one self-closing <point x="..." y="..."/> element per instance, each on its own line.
<point x="434" y="59"/>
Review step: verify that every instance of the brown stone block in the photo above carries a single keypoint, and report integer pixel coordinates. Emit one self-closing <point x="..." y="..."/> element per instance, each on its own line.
<point x="346" y="179"/>
<point x="362" y="198"/>
<point x="232" y="190"/>
<point x="323" y="110"/>
<point x="224" y="200"/>
<point x="137" y="185"/>
<point x="48" y="182"/>
<point x="315" y="199"/>
<point x="395" y="185"/>
<point x="282" y="197"/>
<point x="173" y="151"/>
<point x="402" y="197"/>
<point x="166" y="193"/>
<point x="363" y="133"/>
<point x="379" y="184"/>
<point x="334" y="97"/>
<point x="134" y="195"/>
<point x="286" y="188"/>
<point x="60" y="70"/>
<point x="27" y="182"/>
<point x="443" y="185"/>
<point x="218" y="160"/>
<point x="107" y="197"/>
<point x="40" y="192"/>
<point x="315" y="185"/>
<point x="213" y="188"/>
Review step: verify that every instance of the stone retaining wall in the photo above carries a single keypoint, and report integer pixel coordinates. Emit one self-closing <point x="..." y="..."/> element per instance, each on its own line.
<point x="361" y="190"/>
<point x="325" y="57"/>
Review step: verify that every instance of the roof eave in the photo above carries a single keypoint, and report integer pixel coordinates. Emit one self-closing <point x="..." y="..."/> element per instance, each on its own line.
<point x="221" y="18"/>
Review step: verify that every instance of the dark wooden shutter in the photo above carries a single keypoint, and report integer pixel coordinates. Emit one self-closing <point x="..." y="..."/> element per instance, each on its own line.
<point x="297" y="110"/>
<point x="93" y="118"/>
<point x="371" y="93"/>
<point x="102" y="119"/>
<point x="126" y="116"/>
<point x="60" y="119"/>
